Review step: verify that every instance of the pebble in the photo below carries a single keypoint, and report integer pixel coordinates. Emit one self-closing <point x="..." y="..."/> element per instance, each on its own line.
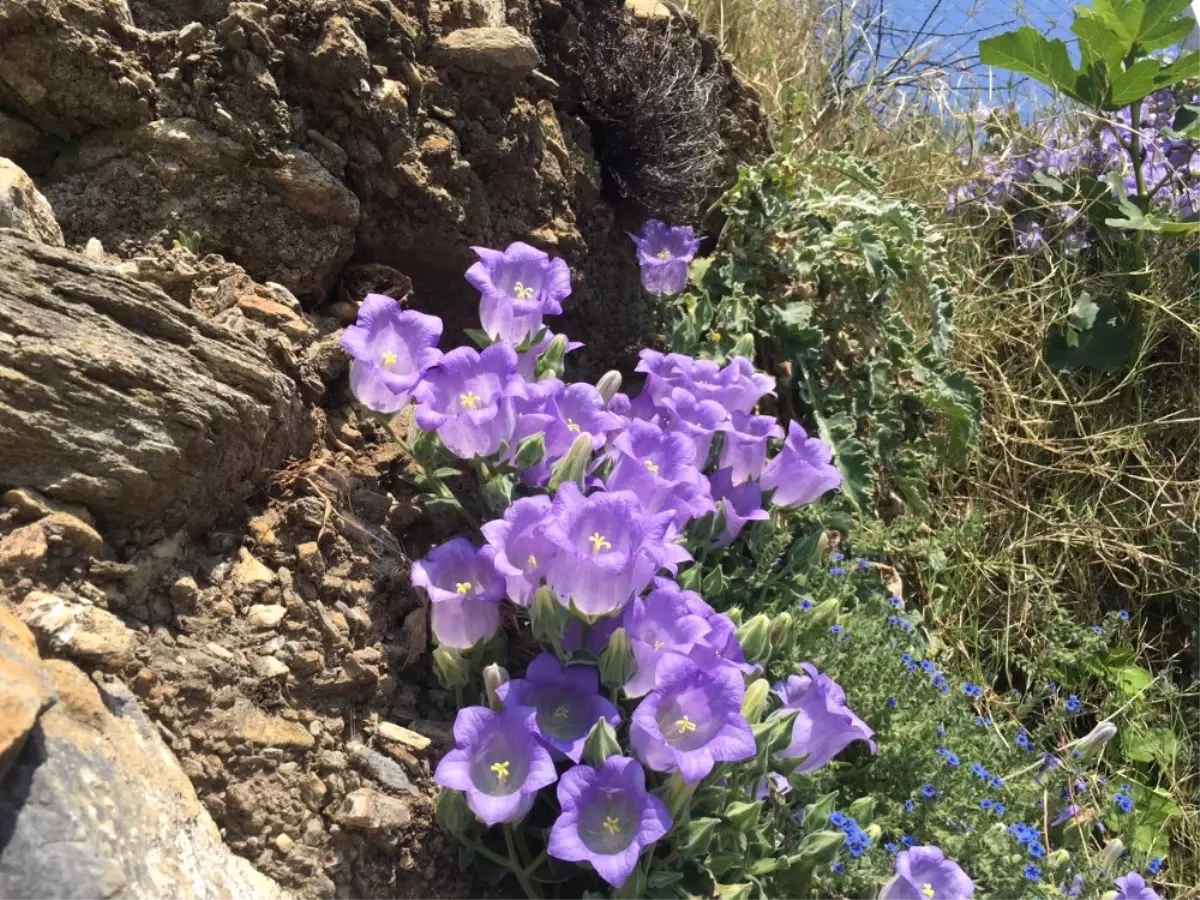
<point x="284" y="843"/>
<point x="255" y="727"/>
<point x="219" y="652"/>
<point x="249" y="570"/>
<point x="263" y="615"/>
<point x="387" y="772"/>
<point x="310" y="559"/>
<point x="83" y="632"/>
<point x="401" y="735"/>
<point x="370" y="810"/>
<point x="308" y="661"/>
<point x="270" y="667"/>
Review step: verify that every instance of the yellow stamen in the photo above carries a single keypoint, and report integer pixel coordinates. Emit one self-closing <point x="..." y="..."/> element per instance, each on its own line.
<point x="532" y="561"/>
<point x="469" y="400"/>
<point x="562" y="712"/>
<point x="664" y="255"/>
<point x="388" y="360"/>
<point x="599" y="542"/>
<point x="463" y="587"/>
<point x="501" y="770"/>
<point x="612" y="824"/>
<point x="658" y="645"/>
<point x="928" y="891"/>
<point x="685" y="725"/>
<point x="522" y="292"/>
<point x="571" y="426"/>
<point x="652" y="466"/>
<point x="714" y="336"/>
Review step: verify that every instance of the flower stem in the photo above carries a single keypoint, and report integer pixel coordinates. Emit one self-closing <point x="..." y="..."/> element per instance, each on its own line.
<point x="518" y="869"/>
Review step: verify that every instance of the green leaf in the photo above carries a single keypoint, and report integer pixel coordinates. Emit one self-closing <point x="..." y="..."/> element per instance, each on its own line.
<point x="721" y="864"/>
<point x="1148" y="75"/>
<point x="1131" y="680"/>
<point x="1187" y="123"/>
<point x="481" y="338"/>
<point x="733" y="891"/>
<point x="1027" y="51"/>
<point x="743" y="813"/>
<point x="661" y="876"/>
<point x="1142" y="24"/>
<point x="1104" y="347"/>
<point x="695" y="837"/>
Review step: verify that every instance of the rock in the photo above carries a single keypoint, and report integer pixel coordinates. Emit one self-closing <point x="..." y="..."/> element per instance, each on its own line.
<point x="86" y="633"/>
<point x="309" y="557"/>
<point x="248" y="570"/>
<point x="270" y="667"/>
<point x="96" y="805"/>
<point x="24" y="689"/>
<point x="390" y="731"/>
<point x="276" y="315"/>
<point x="219" y="652"/>
<point x="388" y="773"/>
<point x="29" y="504"/>
<point x="256" y="727"/>
<point x="23" y="208"/>
<point x="488" y="51"/>
<point x="189" y="35"/>
<point x="289" y="220"/>
<point x="91" y="357"/>
<point x="648" y="9"/>
<point x="23" y="548"/>
<point x="308" y="661"/>
<point x="370" y="810"/>
<point x="284" y="844"/>
<point x="266" y="616"/>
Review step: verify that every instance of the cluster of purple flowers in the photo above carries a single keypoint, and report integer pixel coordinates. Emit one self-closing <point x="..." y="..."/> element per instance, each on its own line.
<point x="858" y="841"/>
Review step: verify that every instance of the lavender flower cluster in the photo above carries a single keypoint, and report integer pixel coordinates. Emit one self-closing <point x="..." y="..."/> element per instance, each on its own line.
<point x="1170" y="170"/>
<point x="612" y="485"/>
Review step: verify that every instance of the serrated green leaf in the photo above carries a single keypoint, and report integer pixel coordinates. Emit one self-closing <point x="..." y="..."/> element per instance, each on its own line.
<point x="1027" y="51"/>
<point x="1186" y="123"/>
<point x="1147" y="76"/>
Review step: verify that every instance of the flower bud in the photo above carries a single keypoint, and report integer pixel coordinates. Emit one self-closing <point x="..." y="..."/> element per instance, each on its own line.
<point x="678" y="794"/>
<point x="547" y="617"/>
<point x="1057" y="861"/>
<point x="1097" y="737"/>
<point x="453" y="671"/>
<point x="574" y="465"/>
<point x="453" y="815"/>
<point x="550" y="363"/>
<point x="824" y="613"/>
<point x="530" y="452"/>
<point x="601" y="743"/>
<point x="820" y="847"/>
<point x="493" y="677"/>
<point x="744" y="346"/>
<point x="755" y="639"/>
<point x="609" y="384"/>
<point x="755" y="700"/>
<point x="781" y="632"/>
<point x="497" y="493"/>
<point x="617" y="665"/>
<point x="863" y="809"/>
<point x="1111" y="853"/>
<point x="817" y="812"/>
<point x="874" y="832"/>
<point x="743" y="813"/>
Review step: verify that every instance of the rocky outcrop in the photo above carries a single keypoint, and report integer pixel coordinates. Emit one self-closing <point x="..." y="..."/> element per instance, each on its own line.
<point x="117" y="398"/>
<point x="92" y="803"/>
<point x="23" y="208"/>
<point x="289" y="136"/>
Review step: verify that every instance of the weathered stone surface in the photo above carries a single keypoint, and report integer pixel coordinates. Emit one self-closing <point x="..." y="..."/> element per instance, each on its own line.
<point x="86" y="633"/>
<point x="265" y="615"/>
<point x="488" y="51"/>
<point x="255" y="727"/>
<point x="24" y="690"/>
<point x="114" y="397"/>
<point x="289" y="221"/>
<point x="392" y="732"/>
<point x="96" y="806"/>
<point x="23" y="208"/>
<point x="370" y="810"/>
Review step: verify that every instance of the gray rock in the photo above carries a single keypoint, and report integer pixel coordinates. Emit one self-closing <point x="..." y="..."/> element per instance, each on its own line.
<point x="87" y="633"/>
<point x="387" y="772"/>
<point x="23" y="208"/>
<point x="93" y="359"/>
<point x="488" y="51"/>
<point x="370" y="810"/>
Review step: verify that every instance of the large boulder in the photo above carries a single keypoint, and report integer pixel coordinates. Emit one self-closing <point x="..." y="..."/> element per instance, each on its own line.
<point x="119" y="399"/>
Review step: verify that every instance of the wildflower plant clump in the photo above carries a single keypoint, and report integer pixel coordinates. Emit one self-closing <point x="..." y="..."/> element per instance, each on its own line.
<point x="666" y="684"/>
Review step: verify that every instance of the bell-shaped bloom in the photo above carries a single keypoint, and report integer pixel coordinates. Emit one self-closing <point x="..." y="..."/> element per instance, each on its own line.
<point x="744" y="451"/>
<point x="639" y="408"/>
<point x="742" y="502"/>
<point x="738" y="386"/>
<point x="464" y="591"/>
<point x="565" y="700"/>
<point x="722" y="640"/>
<point x="656" y="624"/>
<point x="824" y="725"/>
<point x="521" y="552"/>
<point x="664" y="253"/>
<point x="693" y="718"/>
<point x="770" y="783"/>
<point x="565" y="414"/>
<point x="608" y="548"/>
<point x="1133" y="887"/>
<point x="699" y="420"/>
<point x="802" y="472"/>
<point x="468" y="397"/>
<point x="391" y="350"/>
<point x="497" y="762"/>
<point x="659" y="466"/>
<point x="925" y="872"/>
<point x="517" y="287"/>
<point x="608" y="818"/>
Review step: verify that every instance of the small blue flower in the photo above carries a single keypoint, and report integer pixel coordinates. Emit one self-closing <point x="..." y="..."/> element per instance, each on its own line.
<point x="910" y="806"/>
<point x="1123" y="615"/>
<point x="892" y="620"/>
<point x="952" y="760"/>
<point x="1016" y="694"/>
<point x="978" y="770"/>
<point x="1080" y="785"/>
<point x="983" y="721"/>
<point x="838" y="867"/>
<point x="1024" y="742"/>
<point x="1073" y="704"/>
<point x="806" y="605"/>
<point x="906" y="658"/>
<point x="941" y="731"/>
<point x="835" y="629"/>
<point x="999" y="809"/>
<point x="896" y="602"/>
<point x="908" y="841"/>
<point x="996" y="781"/>
<point x="985" y="803"/>
<point x="838" y="556"/>
<point x="1125" y="786"/>
<point x="1155" y="865"/>
<point x="891" y="702"/>
<point x="1124" y="803"/>
<point x="1096" y="629"/>
<point x="928" y="666"/>
<point x="863" y="565"/>
<point x="1032" y="873"/>
<point x="891" y="848"/>
<point x="928" y="791"/>
<point x="972" y="690"/>
<point x="837" y="570"/>
<point x="837" y="818"/>
<point x="1036" y="850"/>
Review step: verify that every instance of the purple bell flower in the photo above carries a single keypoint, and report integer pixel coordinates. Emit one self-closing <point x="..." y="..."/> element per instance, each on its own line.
<point x="803" y="470"/>
<point x="656" y="624"/>
<point x="391" y="350"/>
<point x="722" y="640"/>
<point x="576" y="409"/>
<point x="608" y="549"/>
<point x="824" y="726"/>
<point x="639" y="408"/>
<point x="1134" y="887"/>
<point x="772" y="781"/>
<point x="923" y="873"/>
<point x="693" y="718"/>
<point x="659" y="467"/>
<point x="1065" y="814"/>
<point x="464" y="592"/>
<point x="521" y="552"/>
<point x="664" y="253"/>
<point x="744" y="452"/>
<point x="608" y="818"/>
<point x="516" y="288"/>
<point x="699" y="420"/>
<point x="743" y="504"/>
<point x="738" y="386"/>
<point x="497" y="762"/>
<point x="468" y="400"/>
<point x="565" y="700"/>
